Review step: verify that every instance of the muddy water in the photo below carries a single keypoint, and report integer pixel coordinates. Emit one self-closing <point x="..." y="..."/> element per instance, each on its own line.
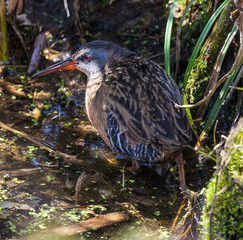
<point x="38" y="187"/>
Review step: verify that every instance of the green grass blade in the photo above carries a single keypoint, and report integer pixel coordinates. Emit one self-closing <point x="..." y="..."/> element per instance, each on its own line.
<point x="226" y="45"/>
<point x="168" y="31"/>
<point x="201" y="40"/>
<point x="218" y="104"/>
<point x="184" y="99"/>
<point x="207" y="155"/>
<point x="220" y="59"/>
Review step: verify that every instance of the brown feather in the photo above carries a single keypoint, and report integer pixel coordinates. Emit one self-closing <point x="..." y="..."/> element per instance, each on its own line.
<point x="141" y="97"/>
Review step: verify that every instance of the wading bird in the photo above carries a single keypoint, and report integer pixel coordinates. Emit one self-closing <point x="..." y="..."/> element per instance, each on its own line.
<point x="131" y="101"/>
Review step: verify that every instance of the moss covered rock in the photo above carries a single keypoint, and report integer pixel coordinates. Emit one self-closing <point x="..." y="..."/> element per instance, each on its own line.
<point x="204" y="64"/>
<point x="222" y="212"/>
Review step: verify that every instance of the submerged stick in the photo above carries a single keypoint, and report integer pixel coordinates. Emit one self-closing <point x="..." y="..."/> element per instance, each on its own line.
<point x="80" y="227"/>
<point x="66" y="157"/>
<point x="91" y="224"/>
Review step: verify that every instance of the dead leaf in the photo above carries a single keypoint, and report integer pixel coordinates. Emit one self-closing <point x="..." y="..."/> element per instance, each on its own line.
<point x="39" y="100"/>
<point x="39" y="45"/>
<point x="13" y="89"/>
<point x="16" y="7"/>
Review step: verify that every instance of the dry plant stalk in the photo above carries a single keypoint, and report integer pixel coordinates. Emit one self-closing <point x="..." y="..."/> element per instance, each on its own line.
<point x="3" y="33"/>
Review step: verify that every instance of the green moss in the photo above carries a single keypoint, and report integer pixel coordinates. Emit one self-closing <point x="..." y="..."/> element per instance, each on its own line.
<point x="199" y="72"/>
<point x="227" y="212"/>
<point x="204" y="64"/>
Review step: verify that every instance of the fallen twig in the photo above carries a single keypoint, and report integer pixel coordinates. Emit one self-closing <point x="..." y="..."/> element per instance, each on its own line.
<point x="18" y="172"/>
<point x="81" y="226"/>
<point x="91" y="224"/>
<point x="66" y="157"/>
<point x="11" y="88"/>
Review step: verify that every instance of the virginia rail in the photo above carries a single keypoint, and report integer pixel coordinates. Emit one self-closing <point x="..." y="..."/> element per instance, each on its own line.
<point x="131" y="100"/>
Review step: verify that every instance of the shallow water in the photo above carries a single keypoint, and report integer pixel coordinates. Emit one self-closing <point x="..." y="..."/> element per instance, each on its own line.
<point x="39" y="184"/>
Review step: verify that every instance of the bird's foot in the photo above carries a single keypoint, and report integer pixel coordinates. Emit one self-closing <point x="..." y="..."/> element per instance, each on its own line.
<point x="134" y="168"/>
<point x="190" y="195"/>
<point x="190" y="198"/>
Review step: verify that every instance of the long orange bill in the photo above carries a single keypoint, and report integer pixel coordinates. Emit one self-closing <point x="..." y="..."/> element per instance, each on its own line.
<point x="67" y="64"/>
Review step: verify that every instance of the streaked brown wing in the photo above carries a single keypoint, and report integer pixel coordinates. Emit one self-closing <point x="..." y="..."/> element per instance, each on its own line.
<point x="141" y="97"/>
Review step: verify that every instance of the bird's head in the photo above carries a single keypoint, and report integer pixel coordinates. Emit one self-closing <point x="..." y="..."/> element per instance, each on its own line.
<point x="92" y="59"/>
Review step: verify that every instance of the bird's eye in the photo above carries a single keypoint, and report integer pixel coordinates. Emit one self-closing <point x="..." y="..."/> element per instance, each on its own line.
<point x="86" y="58"/>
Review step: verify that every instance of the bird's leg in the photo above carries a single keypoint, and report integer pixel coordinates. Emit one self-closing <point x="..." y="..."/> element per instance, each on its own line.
<point x="134" y="168"/>
<point x="180" y="165"/>
<point x="135" y="165"/>
<point x="189" y="195"/>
